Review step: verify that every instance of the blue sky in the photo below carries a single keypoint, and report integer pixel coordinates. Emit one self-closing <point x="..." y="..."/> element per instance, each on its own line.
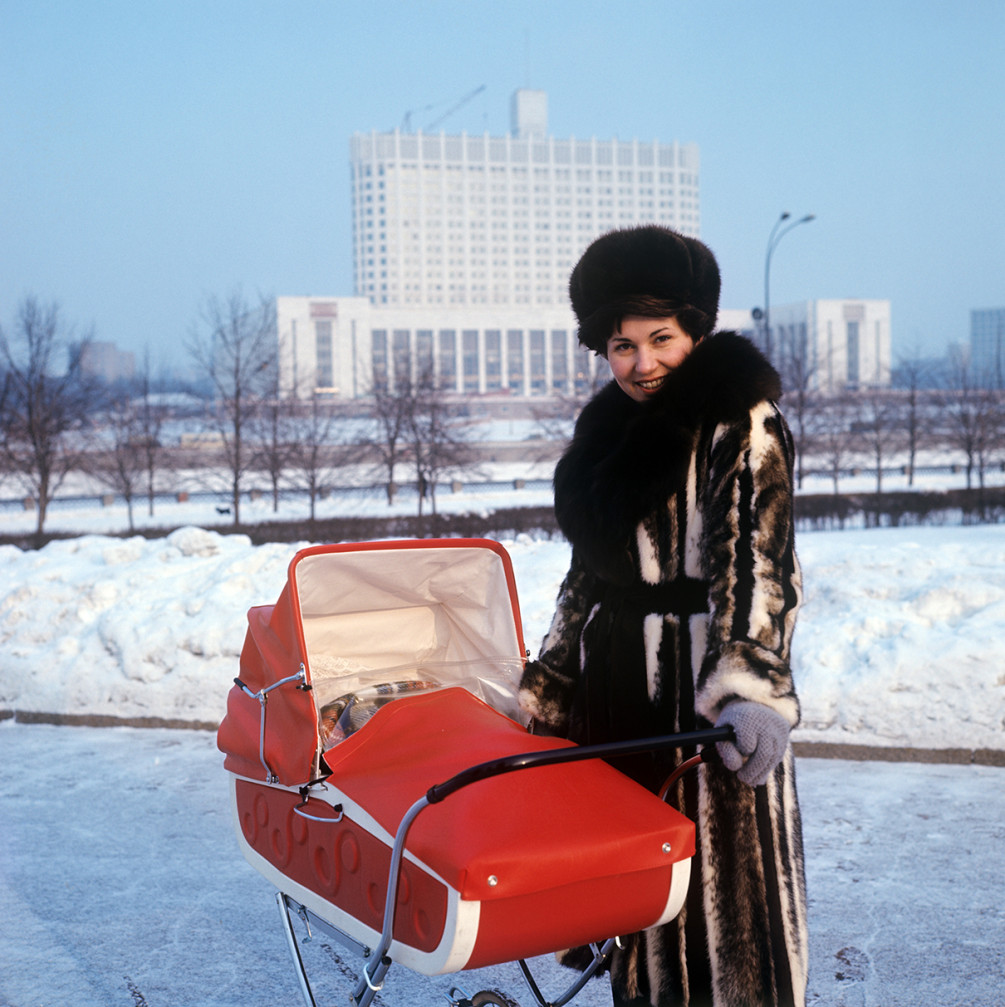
<point x="155" y="153"/>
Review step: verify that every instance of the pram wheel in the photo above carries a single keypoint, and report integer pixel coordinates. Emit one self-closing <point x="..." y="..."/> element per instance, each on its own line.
<point x="492" y="998"/>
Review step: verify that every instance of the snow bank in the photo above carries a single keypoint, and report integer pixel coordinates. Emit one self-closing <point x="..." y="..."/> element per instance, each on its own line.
<point x="898" y="643"/>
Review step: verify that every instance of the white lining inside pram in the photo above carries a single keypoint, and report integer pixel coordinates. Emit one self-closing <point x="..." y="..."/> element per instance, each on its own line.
<point x="373" y="634"/>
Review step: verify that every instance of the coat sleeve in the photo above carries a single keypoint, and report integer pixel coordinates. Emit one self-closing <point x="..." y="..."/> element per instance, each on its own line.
<point x="548" y="684"/>
<point x="749" y="554"/>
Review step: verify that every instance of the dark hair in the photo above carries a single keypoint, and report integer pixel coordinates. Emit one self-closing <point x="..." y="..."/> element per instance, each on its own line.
<point x="604" y="322"/>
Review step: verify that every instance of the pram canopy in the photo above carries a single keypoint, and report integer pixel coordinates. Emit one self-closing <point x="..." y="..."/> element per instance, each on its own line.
<point x="355" y="618"/>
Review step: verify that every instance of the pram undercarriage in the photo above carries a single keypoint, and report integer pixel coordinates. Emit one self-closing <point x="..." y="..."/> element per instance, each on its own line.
<point x="381" y="781"/>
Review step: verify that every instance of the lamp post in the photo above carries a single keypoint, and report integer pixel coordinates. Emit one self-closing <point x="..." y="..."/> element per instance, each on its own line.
<point x="777" y="233"/>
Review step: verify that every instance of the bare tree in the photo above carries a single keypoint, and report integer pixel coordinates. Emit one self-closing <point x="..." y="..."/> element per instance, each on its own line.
<point x="972" y="410"/>
<point x="118" y="457"/>
<point x="320" y="448"/>
<point x="45" y="406"/>
<point x="878" y="420"/>
<point x="150" y="416"/>
<point x="802" y="396"/>
<point x="832" y="434"/>
<point x="438" y="437"/>
<point x="236" y="346"/>
<point x="272" y="427"/>
<point x="915" y="419"/>
<point x="389" y="414"/>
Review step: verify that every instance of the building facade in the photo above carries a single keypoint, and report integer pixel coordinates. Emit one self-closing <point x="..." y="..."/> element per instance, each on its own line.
<point x="831" y="345"/>
<point x="107" y="362"/>
<point x="987" y="346"/>
<point x="462" y="250"/>
<point x="342" y="346"/>
<point x="499" y="221"/>
<point x="324" y="346"/>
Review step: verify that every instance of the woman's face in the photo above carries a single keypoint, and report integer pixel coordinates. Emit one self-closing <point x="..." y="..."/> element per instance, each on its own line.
<point x="644" y="352"/>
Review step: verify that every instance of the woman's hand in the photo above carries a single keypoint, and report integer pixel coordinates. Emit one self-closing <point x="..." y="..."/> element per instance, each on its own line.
<point x="546" y="696"/>
<point x="761" y="738"/>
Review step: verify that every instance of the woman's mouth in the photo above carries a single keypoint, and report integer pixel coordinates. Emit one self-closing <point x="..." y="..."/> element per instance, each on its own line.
<point x="650" y="384"/>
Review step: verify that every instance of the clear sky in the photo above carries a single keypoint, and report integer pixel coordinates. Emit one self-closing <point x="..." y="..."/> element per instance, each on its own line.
<point x="153" y="153"/>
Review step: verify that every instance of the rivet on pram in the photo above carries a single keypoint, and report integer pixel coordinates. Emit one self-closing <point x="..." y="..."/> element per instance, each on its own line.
<point x="666" y="847"/>
<point x="493" y="881"/>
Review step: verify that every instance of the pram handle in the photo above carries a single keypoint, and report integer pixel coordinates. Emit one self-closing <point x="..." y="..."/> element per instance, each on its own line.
<point x="576" y="753"/>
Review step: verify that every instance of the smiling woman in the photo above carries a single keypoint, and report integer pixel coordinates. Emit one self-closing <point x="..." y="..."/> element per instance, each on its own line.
<point x="678" y="609"/>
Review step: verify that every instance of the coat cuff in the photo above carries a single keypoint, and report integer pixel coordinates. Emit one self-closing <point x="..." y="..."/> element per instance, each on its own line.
<point x="745" y="671"/>
<point x="546" y="695"/>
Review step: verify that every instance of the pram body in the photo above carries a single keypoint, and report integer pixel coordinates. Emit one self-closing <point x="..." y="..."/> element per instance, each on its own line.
<point x="382" y="671"/>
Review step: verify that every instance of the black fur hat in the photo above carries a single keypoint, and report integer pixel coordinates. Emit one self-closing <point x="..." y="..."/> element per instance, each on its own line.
<point x="651" y="264"/>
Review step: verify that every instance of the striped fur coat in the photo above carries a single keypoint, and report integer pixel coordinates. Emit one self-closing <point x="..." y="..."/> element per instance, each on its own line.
<point x="681" y="596"/>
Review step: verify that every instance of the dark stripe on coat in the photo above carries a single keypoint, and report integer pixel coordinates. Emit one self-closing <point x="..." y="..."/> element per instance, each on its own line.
<point x="744" y="587"/>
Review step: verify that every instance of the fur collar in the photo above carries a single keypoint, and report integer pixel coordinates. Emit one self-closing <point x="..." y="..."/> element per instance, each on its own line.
<point x="626" y="457"/>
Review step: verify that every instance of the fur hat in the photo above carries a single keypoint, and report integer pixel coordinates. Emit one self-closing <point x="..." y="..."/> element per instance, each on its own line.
<point x="622" y="268"/>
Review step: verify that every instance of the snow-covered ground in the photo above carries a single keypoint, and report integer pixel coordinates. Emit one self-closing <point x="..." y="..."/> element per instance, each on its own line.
<point x="121" y="881"/>
<point x="121" y="885"/>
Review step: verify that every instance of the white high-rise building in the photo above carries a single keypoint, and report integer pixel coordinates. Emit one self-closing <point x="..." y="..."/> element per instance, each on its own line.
<point x="487" y="221"/>
<point x="462" y="250"/>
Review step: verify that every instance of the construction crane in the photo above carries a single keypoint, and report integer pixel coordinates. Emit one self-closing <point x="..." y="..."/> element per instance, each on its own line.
<point x="406" y="123"/>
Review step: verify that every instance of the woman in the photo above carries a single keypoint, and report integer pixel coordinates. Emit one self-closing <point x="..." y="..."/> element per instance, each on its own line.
<point x="678" y="609"/>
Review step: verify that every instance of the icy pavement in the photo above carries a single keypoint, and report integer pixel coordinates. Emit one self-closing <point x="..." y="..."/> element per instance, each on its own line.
<point x="121" y="884"/>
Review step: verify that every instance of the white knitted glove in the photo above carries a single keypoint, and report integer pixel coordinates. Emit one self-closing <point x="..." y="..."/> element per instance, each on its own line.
<point x="761" y="738"/>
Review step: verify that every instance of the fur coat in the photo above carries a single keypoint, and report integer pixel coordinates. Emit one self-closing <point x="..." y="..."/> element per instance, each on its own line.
<point x="681" y="596"/>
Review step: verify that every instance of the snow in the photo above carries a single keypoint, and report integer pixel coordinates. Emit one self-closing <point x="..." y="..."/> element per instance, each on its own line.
<point x="898" y="643"/>
<point x="121" y="880"/>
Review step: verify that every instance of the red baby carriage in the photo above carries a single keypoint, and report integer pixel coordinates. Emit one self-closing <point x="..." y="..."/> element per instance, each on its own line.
<point x="373" y="747"/>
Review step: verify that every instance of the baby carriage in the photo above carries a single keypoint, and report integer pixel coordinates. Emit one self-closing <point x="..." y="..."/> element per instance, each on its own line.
<point x="381" y="780"/>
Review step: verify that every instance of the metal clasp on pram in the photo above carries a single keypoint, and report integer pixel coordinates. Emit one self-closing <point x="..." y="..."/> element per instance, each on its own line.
<point x="263" y="697"/>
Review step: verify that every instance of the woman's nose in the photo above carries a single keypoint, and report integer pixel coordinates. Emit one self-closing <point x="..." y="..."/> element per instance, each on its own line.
<point x="645" y="361"/>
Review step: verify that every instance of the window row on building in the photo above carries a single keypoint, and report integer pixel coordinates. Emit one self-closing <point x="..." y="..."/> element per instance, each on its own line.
<point x="468" y="361"/>
<point x="483" y="220"/>
<point x="347" y="346"/>
<point x="465" y="149"/>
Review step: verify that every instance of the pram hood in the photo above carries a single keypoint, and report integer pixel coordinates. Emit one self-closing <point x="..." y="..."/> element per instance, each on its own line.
<point x="357" y="615"/>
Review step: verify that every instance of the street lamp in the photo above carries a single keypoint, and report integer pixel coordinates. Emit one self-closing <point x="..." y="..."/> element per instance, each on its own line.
<point x="777" y="233"/>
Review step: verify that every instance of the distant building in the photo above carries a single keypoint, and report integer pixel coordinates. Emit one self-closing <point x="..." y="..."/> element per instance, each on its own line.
<point x="829" y="345"/>
<point x="340" y="346"/>
<point x="987" y="346"/>
<point x="107" y="362"/>
<point x="486" y="221"/>
<point x="462" y="250"/>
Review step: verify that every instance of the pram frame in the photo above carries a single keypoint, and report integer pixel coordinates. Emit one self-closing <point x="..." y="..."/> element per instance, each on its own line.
<point x="377" y="961"/>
